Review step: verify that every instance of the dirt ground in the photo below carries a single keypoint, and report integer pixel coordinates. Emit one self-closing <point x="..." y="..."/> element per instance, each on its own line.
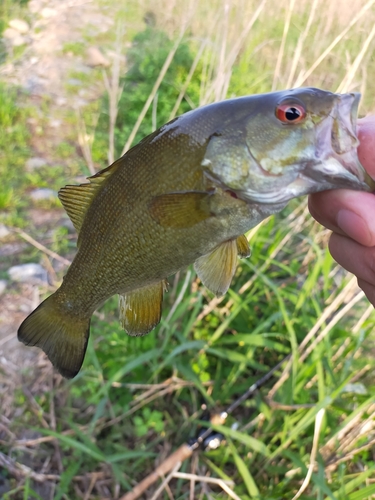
<point x="43" y="71"/>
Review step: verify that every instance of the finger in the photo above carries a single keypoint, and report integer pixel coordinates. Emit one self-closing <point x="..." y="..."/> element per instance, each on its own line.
<point x="366" y="149"/>
<point x="369" y="290"/>
<point x="349" y="213"/>
<point x="354" y="257"/>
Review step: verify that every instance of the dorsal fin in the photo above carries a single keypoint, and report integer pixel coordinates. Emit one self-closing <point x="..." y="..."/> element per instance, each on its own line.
<point x="77" y="199"/>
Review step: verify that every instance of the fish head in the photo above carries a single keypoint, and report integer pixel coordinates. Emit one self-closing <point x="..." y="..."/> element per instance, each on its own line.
<point x="286" y="144"/>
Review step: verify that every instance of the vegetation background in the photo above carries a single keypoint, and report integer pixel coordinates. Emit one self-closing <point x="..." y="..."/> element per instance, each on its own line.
<point x="310" y="433"/>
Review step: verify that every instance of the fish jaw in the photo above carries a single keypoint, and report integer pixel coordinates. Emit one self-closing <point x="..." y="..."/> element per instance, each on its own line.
<point x="319" y="155"/>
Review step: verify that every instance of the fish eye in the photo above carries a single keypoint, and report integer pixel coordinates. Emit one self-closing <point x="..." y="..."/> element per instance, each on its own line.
<point x="290" y="112"/>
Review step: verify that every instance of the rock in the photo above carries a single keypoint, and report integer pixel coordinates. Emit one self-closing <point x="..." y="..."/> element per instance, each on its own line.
<point x="7" y="69"/>
<point x="35" y="6"/>
<point x="74" y="82"/>
<point x="356" y="388"/>
<point x="61" y="101"/>
<point x="17" y="42"/>
<point x="54" y="123"/>
<point x="3" y="285"/>
<point x="28" y="272"/>
<point x="34" y="85"/>
<point x="4" y="231"/>
<point x="43" y="194"/>
<point x="35" y="163"/>
<point x="14" y="37"/>
<point x="94" y="57"/>
<point x="19" y="25"/>
<point x="47" y="12"/>
<point x="10" y="33"/>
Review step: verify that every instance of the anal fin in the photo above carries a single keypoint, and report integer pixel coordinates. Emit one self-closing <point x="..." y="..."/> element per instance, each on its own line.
<point x="140" y="309"/>
<point x="217" y="268"/>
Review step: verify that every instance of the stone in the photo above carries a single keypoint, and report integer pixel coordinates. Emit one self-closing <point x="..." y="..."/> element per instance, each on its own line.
<point x="10" y="33"/>
<point x="74" y="82"/>
<point x="18" y="41"/>
<point x="3" y="285"/>
<point x="356" y="388"/>
<point x="94" y="58"/>
<point x="47" y="12"/>
<point x="35" y="6"/>
<point x="14" y="37"/>
<point x="4" y="231"/>
<point x="61" y="101"/>
<point x="28" y="272"/>
<point x="35" y="163"/>
<point x="54" y="123"/>
<point x="43" y="194"/>
<point x="19" y="25"/>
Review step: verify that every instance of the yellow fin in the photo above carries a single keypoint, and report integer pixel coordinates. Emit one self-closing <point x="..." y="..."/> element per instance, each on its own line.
<point x="140" y="310"/>
<point x="77" y="199"/>
<point x="62" y="337"/>
<point x="180" y="210"/>
<point x="243" y="248"/>
<point x="217" y="268"/>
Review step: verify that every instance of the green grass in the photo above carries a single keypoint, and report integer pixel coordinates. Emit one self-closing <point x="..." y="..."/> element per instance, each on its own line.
<point x="14" y="146"/>
<point x="137" y="399"/>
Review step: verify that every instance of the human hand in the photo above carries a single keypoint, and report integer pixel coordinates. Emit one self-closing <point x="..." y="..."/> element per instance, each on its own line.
<point x="351" y="217"/>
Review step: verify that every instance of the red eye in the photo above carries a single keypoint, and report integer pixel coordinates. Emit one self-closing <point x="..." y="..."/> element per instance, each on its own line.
<point x="290" y="112"/>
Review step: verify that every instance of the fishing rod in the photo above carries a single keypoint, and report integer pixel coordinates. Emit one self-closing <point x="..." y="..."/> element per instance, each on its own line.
<point x="208" y="439"/>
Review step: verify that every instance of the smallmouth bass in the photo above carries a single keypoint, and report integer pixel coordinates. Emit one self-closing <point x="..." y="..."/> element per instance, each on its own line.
<point x="186" y="194"/>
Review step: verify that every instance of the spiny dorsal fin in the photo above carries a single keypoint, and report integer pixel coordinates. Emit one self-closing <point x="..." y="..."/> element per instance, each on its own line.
<point x="217" y="268"/>
<point x="140" y="310"/>
<point x="77" y="199"/>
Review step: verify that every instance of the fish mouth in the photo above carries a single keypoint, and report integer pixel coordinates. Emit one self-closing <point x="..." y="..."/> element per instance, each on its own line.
<point x="337" y="147"/>
<point x="336" y="164"/>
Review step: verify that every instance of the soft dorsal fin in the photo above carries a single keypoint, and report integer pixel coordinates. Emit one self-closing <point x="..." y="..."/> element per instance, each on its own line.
<point x="77" y="199"/>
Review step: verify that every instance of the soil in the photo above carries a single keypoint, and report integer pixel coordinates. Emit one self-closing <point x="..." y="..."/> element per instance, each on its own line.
<point x="44" y="70"/>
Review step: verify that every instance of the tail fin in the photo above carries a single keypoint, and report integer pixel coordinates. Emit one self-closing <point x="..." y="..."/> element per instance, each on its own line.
<point x="61" y="336"/>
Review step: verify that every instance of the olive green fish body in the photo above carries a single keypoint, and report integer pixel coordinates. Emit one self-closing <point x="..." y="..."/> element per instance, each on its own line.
<point x="124" y="247"/>
<point x="186" y="194"/>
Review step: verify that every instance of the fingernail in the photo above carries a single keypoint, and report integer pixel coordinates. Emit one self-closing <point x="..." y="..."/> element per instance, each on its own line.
<point x="353" y="226"/>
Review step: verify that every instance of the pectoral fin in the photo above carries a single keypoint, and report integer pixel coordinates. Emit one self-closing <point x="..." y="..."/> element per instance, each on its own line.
<point x="217" y="268"/>
<point x="140" y="310"/>
<point x="243" y="248"/>
<point x="180" y="210"/>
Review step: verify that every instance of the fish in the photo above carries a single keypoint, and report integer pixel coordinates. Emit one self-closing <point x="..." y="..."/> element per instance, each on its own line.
<point x="187" y="194"/>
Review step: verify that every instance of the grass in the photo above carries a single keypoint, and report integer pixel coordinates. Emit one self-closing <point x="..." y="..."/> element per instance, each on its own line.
<point x="137" y="399"/>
